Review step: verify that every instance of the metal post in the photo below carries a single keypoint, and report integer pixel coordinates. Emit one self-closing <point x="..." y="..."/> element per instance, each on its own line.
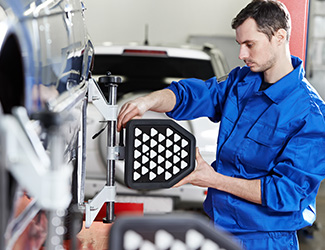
<point x="108" y="108"/>
<point x="111" y="142"/>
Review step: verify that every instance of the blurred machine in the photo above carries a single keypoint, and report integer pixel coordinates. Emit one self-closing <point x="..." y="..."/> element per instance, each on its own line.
<point x="174" y="232"/>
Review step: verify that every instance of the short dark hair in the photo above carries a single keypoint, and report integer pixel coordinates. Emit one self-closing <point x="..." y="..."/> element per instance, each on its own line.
<point x="270" y="16"/>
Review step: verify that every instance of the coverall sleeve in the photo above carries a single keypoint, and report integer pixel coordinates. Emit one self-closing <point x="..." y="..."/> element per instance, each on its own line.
<point x="299" y="169"/>
<point x="197" y="98"/>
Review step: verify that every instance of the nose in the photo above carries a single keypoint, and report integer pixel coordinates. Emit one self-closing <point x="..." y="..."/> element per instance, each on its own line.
<point x="243" y="53"/>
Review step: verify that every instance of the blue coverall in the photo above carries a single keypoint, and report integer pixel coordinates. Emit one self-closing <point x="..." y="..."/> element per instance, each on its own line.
<point x="277" y="136"/>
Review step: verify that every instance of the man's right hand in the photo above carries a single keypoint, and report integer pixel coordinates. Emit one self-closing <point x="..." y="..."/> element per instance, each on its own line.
<point x="131" y="110"/>
<point x="159" y="101"/>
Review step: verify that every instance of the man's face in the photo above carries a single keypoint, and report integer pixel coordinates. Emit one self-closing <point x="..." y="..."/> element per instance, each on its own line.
<point x="255" y="48"/>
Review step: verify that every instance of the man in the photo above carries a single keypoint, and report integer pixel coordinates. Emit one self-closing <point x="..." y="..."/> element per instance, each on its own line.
<point x="270" y="155"/>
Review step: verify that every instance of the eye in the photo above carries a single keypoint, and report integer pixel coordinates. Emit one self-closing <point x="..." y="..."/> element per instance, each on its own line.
<point x="249" y="45"/>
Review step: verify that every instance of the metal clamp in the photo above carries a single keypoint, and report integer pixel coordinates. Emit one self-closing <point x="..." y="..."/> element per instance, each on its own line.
<point x="107" y="194"/>
<point x="96" y="96"/>
<point x="116" y="153"/>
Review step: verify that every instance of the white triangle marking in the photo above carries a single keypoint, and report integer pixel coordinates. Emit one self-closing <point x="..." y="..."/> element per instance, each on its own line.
<point x="145" y="148"/>
<point x="168" y="154"/>
<point x="176" y="138"/>
<point x="145" y="137"/>
<point x="175" y="170"/>
<point x="183" y="164"/>
<point x="194" y="239"/>
<point x="169" y="132"/>
<point x="184" y="143"/>
<point x="153" y="132"/>
<point x="209" y="245"/>
<point x="184" y="154"/>
<point x="132" y="240"/>
<point x="137" y="143"/>
<point x="146" y="245"/>
<point x="136" y="165"/>
<point x="152" y="154"/>
<point x="136" y="176"/>
<point x="161" y="148"/>
<point x="144" y="170"/>
<point x="167" y="176"/>
<point x="160" y="159"/>
<point x="160" y="170"/>
<point x="137" y="132"/>
<point x="152" y="176"/>
<point x="176" y="159"/>
<point x="168" y="143"/>
<point x="178" y="245"/>
<point x="145" y="159"/>
<point x="163" y="239"/>
<point x="136" y="154"/>
<point x="161" y="137"/>
<point x="176" y="148"/>
<point x="152" y="165"/>
<point x="168" y="165"/>
<point x="153" y="143"/>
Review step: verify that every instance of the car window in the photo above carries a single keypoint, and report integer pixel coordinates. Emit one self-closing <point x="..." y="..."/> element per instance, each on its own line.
<point x="153" y="67"/>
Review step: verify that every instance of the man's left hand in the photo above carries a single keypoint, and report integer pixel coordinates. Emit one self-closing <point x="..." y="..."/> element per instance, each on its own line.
<point x="202" y="175"/>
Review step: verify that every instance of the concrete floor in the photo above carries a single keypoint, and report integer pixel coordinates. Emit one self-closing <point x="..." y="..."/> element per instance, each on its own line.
<point x="317" y="240"/>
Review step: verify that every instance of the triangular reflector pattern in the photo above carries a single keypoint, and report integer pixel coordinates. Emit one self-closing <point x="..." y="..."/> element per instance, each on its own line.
<point x="158" y="153"/>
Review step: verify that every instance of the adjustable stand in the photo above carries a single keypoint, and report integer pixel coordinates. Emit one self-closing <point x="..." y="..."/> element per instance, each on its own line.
<point x="159" y="153"/>
<point x="114" y="152"/>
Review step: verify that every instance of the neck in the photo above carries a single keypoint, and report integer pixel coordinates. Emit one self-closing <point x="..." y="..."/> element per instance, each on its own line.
<point x="281" y="68"/>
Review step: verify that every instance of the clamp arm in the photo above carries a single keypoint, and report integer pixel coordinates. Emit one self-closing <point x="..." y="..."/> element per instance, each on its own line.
<point x="107" y="194"/>
<point x="96" y="96"/>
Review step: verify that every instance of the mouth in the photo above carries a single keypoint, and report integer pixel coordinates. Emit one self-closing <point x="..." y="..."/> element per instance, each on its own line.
<point x="249" y="64"/>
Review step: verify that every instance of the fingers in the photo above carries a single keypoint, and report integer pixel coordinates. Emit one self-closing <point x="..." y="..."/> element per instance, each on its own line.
<point x="127" y="112"/>
<point x="182" y="182"/>
<point x="187" y="179"/>
<point x="198" y="157"/>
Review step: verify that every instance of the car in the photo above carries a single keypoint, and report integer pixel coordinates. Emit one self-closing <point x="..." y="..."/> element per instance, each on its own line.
<point x="45" y="61"/>
<point x="143" y="69"/>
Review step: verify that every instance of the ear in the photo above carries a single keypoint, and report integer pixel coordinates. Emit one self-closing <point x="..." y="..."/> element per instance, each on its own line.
<point x="281" y="36"/>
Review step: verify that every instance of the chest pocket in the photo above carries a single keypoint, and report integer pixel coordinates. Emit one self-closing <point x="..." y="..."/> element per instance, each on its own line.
<point x="261" y="146"/>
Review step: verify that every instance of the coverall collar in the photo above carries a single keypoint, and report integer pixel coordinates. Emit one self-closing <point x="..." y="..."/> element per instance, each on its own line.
<point x="286" y="85"/>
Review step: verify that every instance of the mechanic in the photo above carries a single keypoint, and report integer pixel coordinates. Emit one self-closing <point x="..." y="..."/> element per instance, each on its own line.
<point x="270" y="156"/>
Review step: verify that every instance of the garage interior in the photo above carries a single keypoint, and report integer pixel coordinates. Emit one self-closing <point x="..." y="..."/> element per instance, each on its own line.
<point x="167" y="23"/>
<point x="209" y="26"/>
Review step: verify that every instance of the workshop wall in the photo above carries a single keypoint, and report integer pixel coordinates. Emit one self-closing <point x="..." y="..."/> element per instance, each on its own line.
<point x="175" y="22"/>
<point x="169" y="21"/>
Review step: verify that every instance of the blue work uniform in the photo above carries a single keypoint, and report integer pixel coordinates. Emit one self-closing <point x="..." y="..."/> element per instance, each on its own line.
<point x="276" y="135"/>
